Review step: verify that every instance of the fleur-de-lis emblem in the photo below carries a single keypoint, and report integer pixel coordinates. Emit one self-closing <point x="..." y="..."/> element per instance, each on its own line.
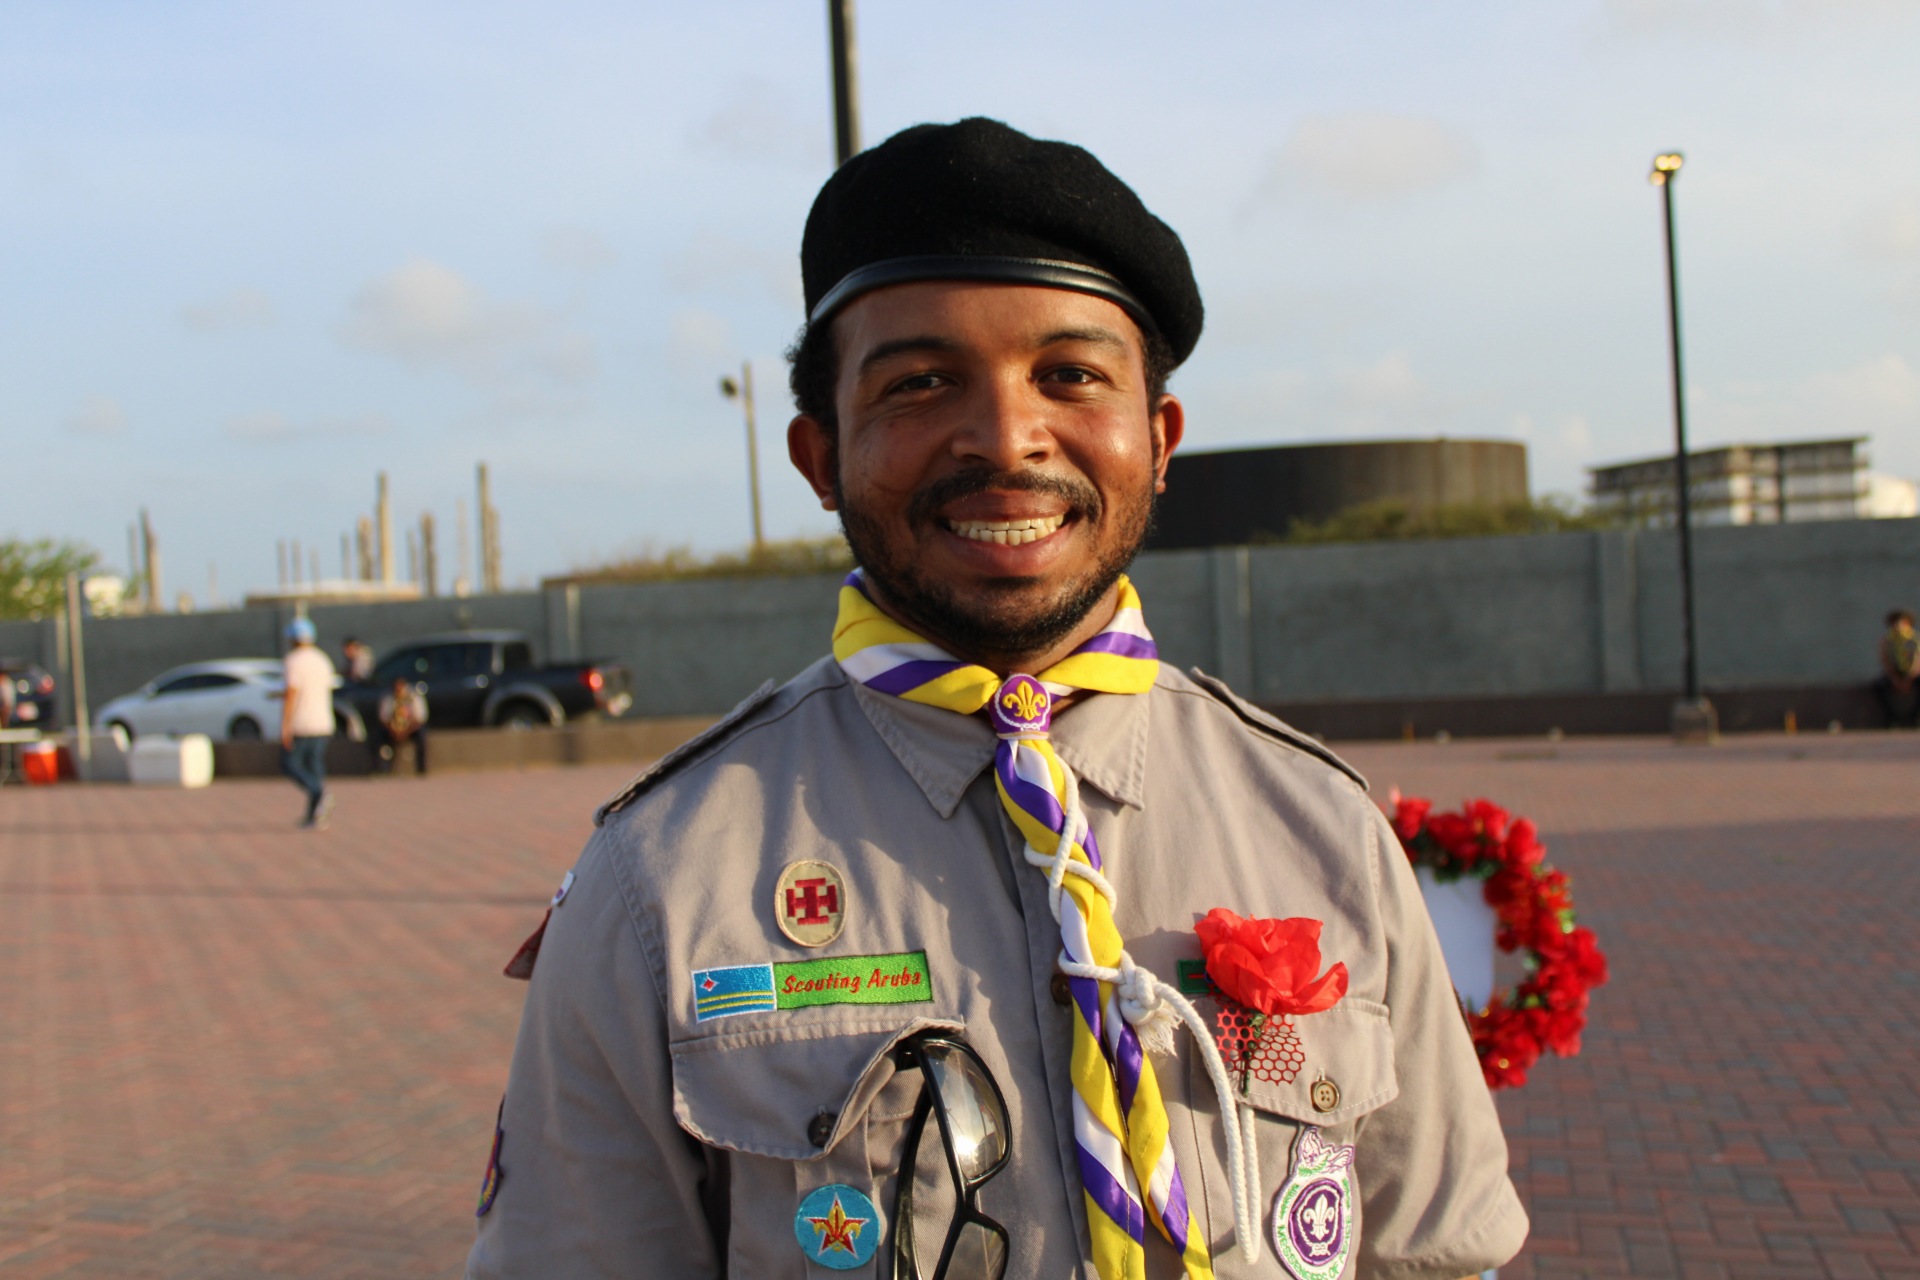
<point x="1026" y="700"/>
<point x="1319" y="1215"/>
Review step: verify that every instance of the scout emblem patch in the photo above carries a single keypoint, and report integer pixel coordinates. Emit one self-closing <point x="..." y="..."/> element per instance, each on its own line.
<point x="899" y="978"/>
<point x="1313" y="1214"/>
<point x="560" y="894"/>
<point x="837" y="1227"/>
<point x="490" y="1184"/>
<point x="810" y="903"/>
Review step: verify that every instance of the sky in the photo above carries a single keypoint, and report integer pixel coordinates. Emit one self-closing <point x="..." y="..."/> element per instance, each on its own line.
<point x="250" y="255"/>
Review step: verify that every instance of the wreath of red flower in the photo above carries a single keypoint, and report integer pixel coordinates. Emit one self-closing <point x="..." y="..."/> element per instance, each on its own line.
<point x="1534" y="906"/>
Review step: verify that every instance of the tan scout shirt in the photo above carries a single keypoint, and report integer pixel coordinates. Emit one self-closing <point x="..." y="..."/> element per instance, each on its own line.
<point x="638" y="1141"/>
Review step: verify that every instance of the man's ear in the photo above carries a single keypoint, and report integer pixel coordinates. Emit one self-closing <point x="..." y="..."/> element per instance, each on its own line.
<point x="1169" y="427"/>
<point x="810" y="446"/>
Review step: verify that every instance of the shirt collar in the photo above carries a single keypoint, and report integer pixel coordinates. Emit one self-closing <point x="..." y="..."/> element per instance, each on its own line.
<point x="1102" y="737"/>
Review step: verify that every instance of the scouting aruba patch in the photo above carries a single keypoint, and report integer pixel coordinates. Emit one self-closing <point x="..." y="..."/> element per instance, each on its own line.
<point x="899" y="978"/>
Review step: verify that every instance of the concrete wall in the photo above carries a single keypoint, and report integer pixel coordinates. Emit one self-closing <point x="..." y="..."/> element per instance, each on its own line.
<point x="1795" y="604"/>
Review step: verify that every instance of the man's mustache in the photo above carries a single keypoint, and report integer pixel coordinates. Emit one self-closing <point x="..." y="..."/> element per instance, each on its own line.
<point x="1082" y="498"/>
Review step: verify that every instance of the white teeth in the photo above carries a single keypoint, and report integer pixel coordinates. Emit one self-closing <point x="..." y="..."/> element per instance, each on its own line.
<point x="1007" y="533"/>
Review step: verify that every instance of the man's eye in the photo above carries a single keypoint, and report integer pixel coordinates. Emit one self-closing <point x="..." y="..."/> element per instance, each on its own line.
<point x="1072" y="374"/>
<point x="916" y="382"/>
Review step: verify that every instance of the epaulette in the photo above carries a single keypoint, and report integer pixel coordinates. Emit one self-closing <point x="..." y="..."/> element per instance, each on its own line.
<point x="667" y="763"/>
<point x="1272" y="726"/>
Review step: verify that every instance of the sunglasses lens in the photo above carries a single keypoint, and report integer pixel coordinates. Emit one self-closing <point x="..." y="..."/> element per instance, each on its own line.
<point x="974" y="1118"/>
<point x="979" y="1254"/>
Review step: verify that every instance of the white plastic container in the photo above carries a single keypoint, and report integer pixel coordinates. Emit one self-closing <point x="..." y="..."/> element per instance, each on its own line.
<point x="1466" y="925"/>
<point x="186" y="761"/>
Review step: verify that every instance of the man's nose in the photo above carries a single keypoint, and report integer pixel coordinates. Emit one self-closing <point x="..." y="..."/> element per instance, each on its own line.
<point x="1007" y="426"/>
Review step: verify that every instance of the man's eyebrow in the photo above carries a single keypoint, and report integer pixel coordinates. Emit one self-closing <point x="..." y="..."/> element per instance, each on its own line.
<point x="1094" y="335"/>
<point x="900" y="346"/>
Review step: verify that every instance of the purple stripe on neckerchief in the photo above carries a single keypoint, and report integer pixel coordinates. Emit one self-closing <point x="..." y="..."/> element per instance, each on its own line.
<point x="1111" y="1197"/>
<point x="909" y="676"/>
<point x="1123" y="643"/>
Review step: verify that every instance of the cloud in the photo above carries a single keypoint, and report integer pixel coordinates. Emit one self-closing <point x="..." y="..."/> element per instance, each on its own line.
<point x="759" y="121"/>
<point x="1368" y="156"/>
<point x="237" y="309"/>
<point x="1891" y="231"/>
<point x="712" y="262"/>
<point x="1381" y="398"/>
<point x="272" y="427"/>
<point x="577" y="249"/>
<point x="701" y="337"/>
<point x="1879" y="397"/>
<point x="97" y="416"/>
<point x="428" y="316"/>
<point x="1389" y="383"/>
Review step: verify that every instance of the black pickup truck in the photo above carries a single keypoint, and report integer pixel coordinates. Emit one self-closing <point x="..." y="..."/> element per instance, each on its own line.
<point x="474" y="678"/>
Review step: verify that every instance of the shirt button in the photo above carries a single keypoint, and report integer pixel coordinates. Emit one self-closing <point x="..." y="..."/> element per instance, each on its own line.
<point x="820" y="1128"/>
<point x="1062" y="992"/>
<point x="1325" y="1095"/>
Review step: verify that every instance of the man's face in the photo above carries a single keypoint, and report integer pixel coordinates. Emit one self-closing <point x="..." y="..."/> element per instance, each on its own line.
<point x="996" y="457"/>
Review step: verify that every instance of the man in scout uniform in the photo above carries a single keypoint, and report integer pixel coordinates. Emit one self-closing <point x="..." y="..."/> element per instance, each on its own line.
<point x="991" y="945"/>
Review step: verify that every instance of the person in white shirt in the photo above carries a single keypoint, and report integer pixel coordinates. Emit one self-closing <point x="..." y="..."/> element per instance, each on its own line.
<point x="306" y="720"/>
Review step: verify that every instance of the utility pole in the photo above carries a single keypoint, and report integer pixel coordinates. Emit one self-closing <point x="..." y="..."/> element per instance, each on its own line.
<point x="429" y="563"/>
<point x="489" y="534"/>
<point x="846" y="96"/>
<point x="1693" y="716"/>
<point x="463" y="579"/>
<point x="77" y="667"/>
<point x="743" y="391"/>
<point x="150" y="555"/>
<point x="363" y="545"/>
<point x="383" y="516"/>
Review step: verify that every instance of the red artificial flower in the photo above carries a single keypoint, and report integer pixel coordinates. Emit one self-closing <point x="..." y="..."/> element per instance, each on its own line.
<point x="1270" y="965"/>
<point x="1409" y="813"/>
<point x="1523" y="850"/>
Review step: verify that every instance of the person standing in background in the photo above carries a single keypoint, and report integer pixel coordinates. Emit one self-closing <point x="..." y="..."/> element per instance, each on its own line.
<point x="357" y="658"/>
<point x="306" y="720"/>
<point x="1899" y="665"/>
<point x="403" y="719"/>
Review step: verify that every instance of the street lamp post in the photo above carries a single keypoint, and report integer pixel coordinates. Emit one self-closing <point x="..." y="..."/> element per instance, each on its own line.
<point x="743" y="392"/>
<point x="1693" y="716"/>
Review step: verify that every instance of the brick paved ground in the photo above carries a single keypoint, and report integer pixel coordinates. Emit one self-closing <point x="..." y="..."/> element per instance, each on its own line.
<point x="1748" y="1103"/>
<point x="229" y="1049"/>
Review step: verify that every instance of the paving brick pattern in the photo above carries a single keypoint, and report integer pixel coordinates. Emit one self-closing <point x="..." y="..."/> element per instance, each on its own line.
<point x="229" y="1049"/>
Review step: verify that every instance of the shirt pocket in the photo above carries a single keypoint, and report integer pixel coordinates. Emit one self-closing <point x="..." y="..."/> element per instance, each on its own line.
<point x="1349" y="1047"/>
<point x="796" y="1109"/>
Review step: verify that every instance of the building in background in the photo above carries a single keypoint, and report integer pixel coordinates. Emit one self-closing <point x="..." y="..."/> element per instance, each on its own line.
<point x="1231" y="497"/>
<point x="1757" y="484"/>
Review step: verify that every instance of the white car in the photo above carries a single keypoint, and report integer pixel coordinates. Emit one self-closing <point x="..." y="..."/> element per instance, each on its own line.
<point x="235" y="700"/>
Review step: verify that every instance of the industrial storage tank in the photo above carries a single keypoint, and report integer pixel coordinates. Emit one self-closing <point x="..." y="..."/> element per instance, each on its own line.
<point x="1233" y="496"/>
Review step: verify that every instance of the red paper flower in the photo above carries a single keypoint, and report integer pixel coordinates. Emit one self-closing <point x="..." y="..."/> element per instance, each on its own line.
<point x="1270" y="965"/>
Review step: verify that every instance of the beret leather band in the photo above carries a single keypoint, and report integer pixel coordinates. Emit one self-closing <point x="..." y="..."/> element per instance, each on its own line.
<point x="998" y="269"/>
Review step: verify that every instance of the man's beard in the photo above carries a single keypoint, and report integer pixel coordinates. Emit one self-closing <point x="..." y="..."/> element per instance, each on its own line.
<point x="991" y="624"/>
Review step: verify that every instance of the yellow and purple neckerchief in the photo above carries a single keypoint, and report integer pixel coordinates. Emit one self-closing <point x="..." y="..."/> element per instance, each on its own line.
<point x="1119" y="1121"/>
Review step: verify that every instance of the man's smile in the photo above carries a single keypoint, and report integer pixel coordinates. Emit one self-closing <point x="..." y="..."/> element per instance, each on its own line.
<point x="1008" y="533"/>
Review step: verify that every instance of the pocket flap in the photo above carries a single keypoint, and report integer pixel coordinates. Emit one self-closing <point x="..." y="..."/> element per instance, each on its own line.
<point x="759" y="1092"/>
<point x="1349" y="1045"/>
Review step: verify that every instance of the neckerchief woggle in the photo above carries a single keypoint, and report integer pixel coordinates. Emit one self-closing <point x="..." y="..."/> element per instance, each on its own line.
<point x="1120" y="1123"/>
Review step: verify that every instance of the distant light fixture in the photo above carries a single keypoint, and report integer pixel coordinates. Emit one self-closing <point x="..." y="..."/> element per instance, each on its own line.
<point x="729" y="388"/>
<point x="1664" y="165"/>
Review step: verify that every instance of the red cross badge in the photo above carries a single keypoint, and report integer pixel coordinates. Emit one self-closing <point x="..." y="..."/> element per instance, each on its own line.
<point x="810" y="903"/>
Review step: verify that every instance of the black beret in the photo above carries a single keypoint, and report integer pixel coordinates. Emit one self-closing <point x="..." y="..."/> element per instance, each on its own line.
<point x="978" y="200"/>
